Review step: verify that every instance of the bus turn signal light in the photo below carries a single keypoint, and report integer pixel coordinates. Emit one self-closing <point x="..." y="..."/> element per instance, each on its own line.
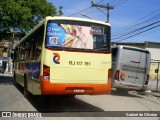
<point x="46" y="72"/>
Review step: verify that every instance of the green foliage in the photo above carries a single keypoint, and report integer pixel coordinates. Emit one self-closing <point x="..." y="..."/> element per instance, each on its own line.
<point x="60" y="11"/>
<point x="23" y="15"/>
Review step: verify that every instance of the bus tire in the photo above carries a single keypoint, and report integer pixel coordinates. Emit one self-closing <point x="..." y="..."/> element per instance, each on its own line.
<point x="25" y="87"/>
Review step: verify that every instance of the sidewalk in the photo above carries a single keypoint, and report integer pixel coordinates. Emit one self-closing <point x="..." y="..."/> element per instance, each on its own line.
<point x="6" y="74"/>
<point x="153" y="93"/>
<point x="156" y="94"/>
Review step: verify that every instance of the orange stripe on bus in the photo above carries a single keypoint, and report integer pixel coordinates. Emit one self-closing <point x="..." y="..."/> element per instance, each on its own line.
<point x="71" y="88"/>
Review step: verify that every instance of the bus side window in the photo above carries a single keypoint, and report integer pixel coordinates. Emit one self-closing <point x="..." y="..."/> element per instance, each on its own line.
<point x="16" y="53"/>
<point x="38" y="41"/>
<point x="29" y="48"/>
<point x="21" y="52"/>
<point x="23" y="55"/>
<point x="38" y="46"/>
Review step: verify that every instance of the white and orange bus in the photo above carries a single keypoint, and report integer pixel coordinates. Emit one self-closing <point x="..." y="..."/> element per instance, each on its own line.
<point x="65" y="55"/>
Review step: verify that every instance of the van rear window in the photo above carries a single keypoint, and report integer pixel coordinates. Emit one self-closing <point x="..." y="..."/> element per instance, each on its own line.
<point x="138" y="50"/>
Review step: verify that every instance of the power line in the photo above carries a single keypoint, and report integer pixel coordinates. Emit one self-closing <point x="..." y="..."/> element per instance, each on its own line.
<point x="135" y="30"/>
<point x="112" y="1"/>
<point x="84" y="9"/>
<point x="134" y="33"/>
<point x="131" y="32"/>
<point x="140" y="30"/>
<point x="108" y="7"/>
<point x="119" y="3"/>
<point x="138" y="33"/>
<point x="133" y="24"/>
<point x="100" y="1"/>
<point x="154" y="31"/>
<point x="101" y="11"/>
<point x="80" y="11"/>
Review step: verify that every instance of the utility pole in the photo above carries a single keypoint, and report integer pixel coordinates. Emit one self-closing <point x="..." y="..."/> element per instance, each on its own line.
<point x="108" y="7"/>
<point x="83" y="14"/>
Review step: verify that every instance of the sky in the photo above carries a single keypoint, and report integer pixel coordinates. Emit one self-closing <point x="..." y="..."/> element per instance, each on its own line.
<point x="131" y="20"/>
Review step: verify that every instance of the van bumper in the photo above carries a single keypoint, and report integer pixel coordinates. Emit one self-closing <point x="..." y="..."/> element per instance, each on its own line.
<point x="130" y="86"/>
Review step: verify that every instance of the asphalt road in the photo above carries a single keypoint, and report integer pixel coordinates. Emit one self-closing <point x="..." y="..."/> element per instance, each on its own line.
<point x="12" y="99"/>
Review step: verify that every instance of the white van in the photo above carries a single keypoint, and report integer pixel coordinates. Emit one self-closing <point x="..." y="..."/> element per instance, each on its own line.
<point x="131" y="67"/>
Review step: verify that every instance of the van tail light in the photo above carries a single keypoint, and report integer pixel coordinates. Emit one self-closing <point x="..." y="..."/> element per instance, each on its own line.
<point x="116" y="77"/>
<point x="46" y="72"/>
<point x="109" y="74"/>
<point x="147" y="79"/>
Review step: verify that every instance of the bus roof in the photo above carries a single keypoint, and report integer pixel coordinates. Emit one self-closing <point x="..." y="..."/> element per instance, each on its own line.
<point x="75" y="19"/>
<point x="60" y="18"/>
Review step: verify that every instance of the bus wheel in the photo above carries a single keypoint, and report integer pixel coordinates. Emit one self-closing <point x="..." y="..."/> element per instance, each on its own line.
<point x="25" y="87"/>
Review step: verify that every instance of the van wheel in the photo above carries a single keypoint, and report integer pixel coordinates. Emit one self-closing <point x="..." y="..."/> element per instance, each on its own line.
<point x="25" y="87"/>
<point x="122" y="91"/>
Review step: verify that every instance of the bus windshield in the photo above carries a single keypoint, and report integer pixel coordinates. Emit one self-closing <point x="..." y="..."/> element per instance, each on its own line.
<point x="77" y="35"/>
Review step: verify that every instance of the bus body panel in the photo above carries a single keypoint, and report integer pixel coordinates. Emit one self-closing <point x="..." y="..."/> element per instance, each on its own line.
<point x="77" y="72"/>
<point x="78" y="67"/>
<point x="72" y="88"/>
<point x="30" y="70"/>
<point x="133" y="65"/>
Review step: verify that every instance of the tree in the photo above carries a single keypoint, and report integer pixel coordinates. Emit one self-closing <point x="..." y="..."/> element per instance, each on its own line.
<point x="23" y="15"/>
<point x="60" y="11"/>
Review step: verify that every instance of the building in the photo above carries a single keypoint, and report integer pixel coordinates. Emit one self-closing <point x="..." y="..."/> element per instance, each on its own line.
<point x="7" y="44"/>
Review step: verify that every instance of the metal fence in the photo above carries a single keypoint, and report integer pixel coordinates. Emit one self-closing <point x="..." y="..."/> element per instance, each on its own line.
<point x="154" y="81"/>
